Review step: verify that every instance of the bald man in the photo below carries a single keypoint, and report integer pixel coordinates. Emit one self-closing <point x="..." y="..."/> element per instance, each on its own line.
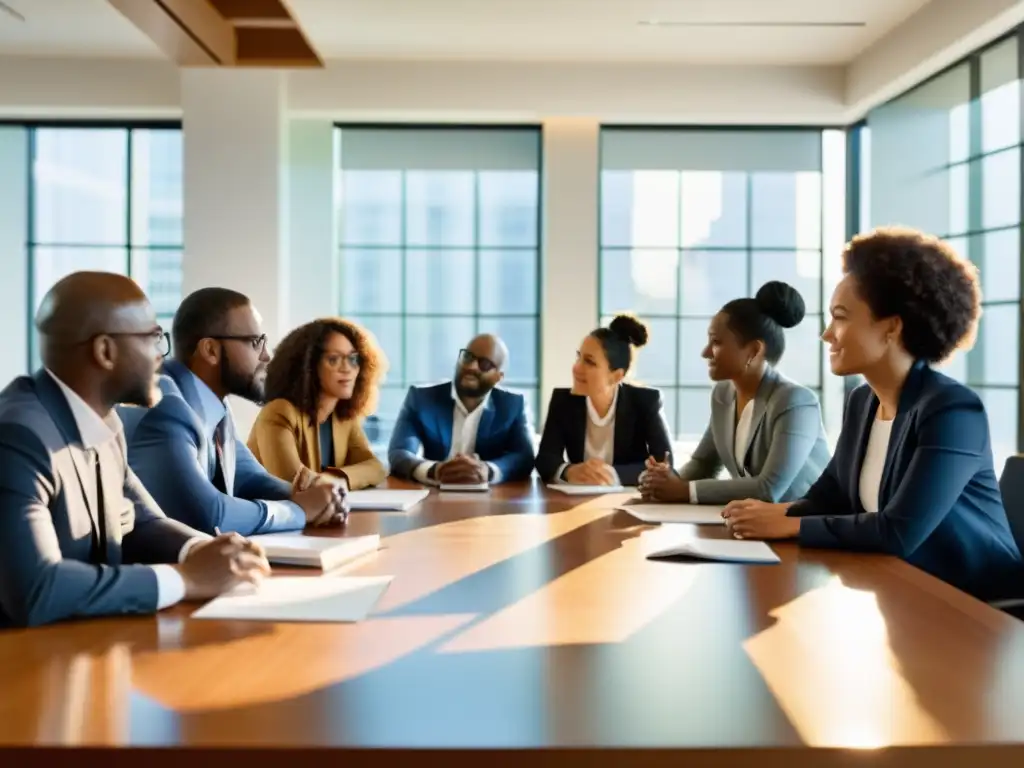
<point x="79" y="535"/>
<point x="464" y="432"/>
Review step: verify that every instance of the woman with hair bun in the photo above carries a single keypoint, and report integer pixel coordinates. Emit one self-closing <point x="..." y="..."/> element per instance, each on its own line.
<point x="765" y="430"/>
<point x="913" y="473"/>
<point x="602" y="430"/>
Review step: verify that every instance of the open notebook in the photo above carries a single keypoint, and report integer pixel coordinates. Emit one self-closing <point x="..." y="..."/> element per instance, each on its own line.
<point x="679" y="541"/>
<point x="587" y="490"/>
<point x="696" y="514"/>
<point x="385" y="500"/>
<point x="300" y="598"/>
<point x="324" y="552"/>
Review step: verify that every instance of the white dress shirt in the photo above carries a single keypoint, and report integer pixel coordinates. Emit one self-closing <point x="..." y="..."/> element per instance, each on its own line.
<point x="599" y="441"/>
<point x="874" y="464"/>
<point x="465" y="424"/>
<point x="95" y="432"/>
<point x="739" y="446"/>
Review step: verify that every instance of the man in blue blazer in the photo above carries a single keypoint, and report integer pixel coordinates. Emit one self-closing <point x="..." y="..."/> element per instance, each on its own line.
<point x="185" y="449"/>
<point x="465" y="430"/>
<point x="79" y="535"/>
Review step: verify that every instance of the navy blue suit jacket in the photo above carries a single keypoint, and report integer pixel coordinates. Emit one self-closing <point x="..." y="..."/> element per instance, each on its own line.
<point x="939" y="503"/>
<point x="425" y="423"/>
<point x="170" y="450"/>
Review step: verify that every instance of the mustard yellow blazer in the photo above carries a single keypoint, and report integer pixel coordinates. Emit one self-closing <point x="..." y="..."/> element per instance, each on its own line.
<point x="283" y="439"/>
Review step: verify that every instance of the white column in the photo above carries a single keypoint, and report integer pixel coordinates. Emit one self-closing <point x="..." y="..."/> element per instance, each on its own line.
<point x="14" y="307"/>
<point x="569" y="306"/>
<point x="313" y="236"/>
<point x="236" y="193"/>
<point x="236" y="187"/>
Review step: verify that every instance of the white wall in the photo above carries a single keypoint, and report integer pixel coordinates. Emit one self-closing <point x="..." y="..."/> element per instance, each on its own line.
<point x="569" y="261"/>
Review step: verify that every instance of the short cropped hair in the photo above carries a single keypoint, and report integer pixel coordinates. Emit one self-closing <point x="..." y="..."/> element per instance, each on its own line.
<point x="922" y="280"/>
<point x="201" y="315"/>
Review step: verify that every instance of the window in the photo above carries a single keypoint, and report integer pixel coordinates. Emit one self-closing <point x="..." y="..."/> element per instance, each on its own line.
<point x="946" y="158"/>
<point x="691" y="219"/>
<point x="439" y="233"/>
<point x="110" y="199"/>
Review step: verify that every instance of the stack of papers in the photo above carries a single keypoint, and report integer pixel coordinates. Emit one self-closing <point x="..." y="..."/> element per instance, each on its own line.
<point x="315" y="551"/>
<point x="465" y="487"/>
<point x="300" y="598"/>
<point x="385" y="500"/>
<point x="679" y="541"/>
<point x="695" y="514"/>
<point x="586" y="490"/>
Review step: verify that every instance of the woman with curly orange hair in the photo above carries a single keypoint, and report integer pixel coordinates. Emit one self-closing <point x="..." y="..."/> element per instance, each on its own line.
<point x="322" y="381"/>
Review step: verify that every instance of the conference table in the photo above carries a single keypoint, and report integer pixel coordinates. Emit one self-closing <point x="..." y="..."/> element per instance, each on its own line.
<point x="525" y="619"/>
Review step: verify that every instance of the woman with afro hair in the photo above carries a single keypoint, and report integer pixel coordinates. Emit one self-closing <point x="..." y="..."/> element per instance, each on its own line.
<point x="322" y="381"/>
<point x="912" y="475"/>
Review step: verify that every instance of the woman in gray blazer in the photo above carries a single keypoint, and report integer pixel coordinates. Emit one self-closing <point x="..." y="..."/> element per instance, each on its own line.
<point x="765" y="429"/>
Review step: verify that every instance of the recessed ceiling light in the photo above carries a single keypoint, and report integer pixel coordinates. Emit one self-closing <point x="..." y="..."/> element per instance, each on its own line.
<point x="758" y="24"/>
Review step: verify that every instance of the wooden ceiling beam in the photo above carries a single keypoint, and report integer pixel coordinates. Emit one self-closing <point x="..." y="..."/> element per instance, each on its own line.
<point x="191" y="33"/>
<point x="224" y="33"/>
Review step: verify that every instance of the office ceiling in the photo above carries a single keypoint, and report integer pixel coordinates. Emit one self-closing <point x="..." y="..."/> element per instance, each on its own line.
<point x="780" y="31"/>
<point x="600" y="30"/>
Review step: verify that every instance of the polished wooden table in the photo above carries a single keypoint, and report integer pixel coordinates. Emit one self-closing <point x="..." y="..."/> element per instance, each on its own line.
<point x="524" y="619"/>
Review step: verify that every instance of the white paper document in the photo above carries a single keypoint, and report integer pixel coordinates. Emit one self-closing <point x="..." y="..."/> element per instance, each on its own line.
<point x="587" y="490"/>
<point x="465" y="487"/>
<point x="300" y="598"/>
<point x="679" y="541"/>
<point x="695" y="514"/>
<point x="385" y="500"/>
<point x="324" y="552"/>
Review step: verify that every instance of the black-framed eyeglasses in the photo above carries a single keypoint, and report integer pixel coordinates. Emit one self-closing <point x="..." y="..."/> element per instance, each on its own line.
<point x="486" y="365"/>
<point x="158" y="337"/>
<point x="334" y="360"/>
<point x="259" y="343"/>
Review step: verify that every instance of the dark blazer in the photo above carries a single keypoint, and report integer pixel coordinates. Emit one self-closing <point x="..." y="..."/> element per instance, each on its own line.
<point x="787" y="450"/>
<point x="939" y="503"/>
<point x="425" y="422"/>
<point x="640" y="432"/>
<point x="172" y="454"/>
<point x="52" y="565"/>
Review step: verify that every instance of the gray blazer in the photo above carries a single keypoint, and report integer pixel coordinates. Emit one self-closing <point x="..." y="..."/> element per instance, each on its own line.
<point x="786" y="452"/>
<point x="53" y="563"/>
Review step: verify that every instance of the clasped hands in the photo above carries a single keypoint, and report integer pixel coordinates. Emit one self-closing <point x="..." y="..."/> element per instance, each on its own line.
<point x="461" y="469"/>
<point x="591" y="472"/>
<point x="659" y="482"/>
<point x="323" y="499"/>
<point x="753" y="519"/>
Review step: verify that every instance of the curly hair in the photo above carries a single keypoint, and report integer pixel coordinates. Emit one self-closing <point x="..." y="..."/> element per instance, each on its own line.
<point x="294" y="376"/>
<point x="934" y="291"/>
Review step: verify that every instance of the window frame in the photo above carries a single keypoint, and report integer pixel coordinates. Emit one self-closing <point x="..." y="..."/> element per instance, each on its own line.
<point x="32" y="128"/>
<point x="404" y="247"/>
<point x="677" y="388"/>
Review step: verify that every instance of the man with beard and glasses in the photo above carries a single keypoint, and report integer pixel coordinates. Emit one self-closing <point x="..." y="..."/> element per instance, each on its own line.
<point x="185" y="449"/>
<point x="464" y="431"/>
<point x="79" y="534"/>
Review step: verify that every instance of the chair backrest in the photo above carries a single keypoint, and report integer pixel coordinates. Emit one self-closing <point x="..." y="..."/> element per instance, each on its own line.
<point x="1011" y="487"/>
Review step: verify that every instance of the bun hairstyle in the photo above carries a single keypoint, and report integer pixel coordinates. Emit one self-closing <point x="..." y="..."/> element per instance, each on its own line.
<point x="623" y="334"/>
<point x="776" y="306"/>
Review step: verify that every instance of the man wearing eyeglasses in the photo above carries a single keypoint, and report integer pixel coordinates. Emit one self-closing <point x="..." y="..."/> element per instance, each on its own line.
<point x="79" y="535"/>
<point x="185" y="448"/>
<point x="465" y="431"/>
